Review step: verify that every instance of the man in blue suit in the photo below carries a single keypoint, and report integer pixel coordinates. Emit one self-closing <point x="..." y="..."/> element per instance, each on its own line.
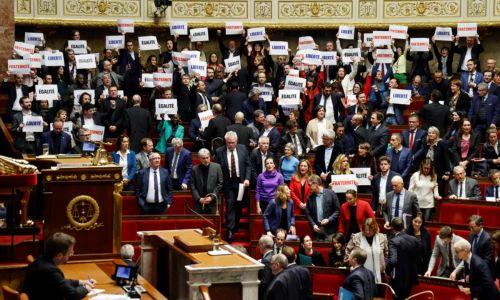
<point x="361" y="281"/>
<point x="272" y="133"/>
<point x="153" y="187"/>
<point x="401" y="157"/>
<point x="413" y="136"/>
<point x="59" y="141"/>
<point x="178" y="162"/>
<point x="484" y="111"/>
<point x="471" y="78"/>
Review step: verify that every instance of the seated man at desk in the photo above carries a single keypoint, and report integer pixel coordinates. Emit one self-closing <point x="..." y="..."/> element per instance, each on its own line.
<point x="59" y="141"/>
<point x="463" y="187"/>
<point x="46" y="281"/>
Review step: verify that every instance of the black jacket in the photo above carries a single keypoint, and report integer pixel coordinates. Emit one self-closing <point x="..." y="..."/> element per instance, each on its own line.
<point x="404" y="255"/>
<point x="361" y="283"/>
<point x="331" y="211"/>
<point x="319" y="159"/>
<point x="482" y="284"/>
<point x="435" y="114"/>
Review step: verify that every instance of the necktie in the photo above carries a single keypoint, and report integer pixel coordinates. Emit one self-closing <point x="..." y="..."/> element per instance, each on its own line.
<point x="474" y="244"/>
<point x="450" y="258"/>
<point x="157" y="192"/>
<point x="396" y="209"/>
<point x="496" y="192"/>
<point x="233" y="165"/>
<point x="205" y="101"/>
<point x="411" y="139"/>
<point x="467" y="270"/>
<point x="174" y="165"/>
<point x="471" y="77"/>
<point x="461" y="190"/>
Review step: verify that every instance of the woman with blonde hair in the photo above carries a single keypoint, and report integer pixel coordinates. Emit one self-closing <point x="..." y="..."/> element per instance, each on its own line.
<point x="279" y="212"/>
<point x="299" y="186"/>
<point x="340" y="166"/>
<point x="424" y="184"/>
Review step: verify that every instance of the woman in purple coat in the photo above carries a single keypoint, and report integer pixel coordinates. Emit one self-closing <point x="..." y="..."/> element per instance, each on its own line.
<point x="267" y="183"/>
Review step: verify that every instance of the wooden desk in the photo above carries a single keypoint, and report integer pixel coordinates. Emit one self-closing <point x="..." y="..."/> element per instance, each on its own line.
<point x="173" y="268"/>
<point x="102" y="272"/>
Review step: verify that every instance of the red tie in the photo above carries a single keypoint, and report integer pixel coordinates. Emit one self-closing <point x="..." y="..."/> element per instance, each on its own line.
<point x="411" y="140"/>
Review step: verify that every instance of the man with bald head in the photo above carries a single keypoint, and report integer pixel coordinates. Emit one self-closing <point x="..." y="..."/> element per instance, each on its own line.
<point x="400" y="203"/>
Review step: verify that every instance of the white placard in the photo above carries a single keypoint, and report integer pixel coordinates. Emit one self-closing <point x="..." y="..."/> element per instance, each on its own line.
<point x="78" y="93"/>
<point x="197" y="67"/>
<point x="266" y="93"/>
<point x="166" y="106"/>
<point x="466" y="29"/>
<point x="19" y="66"/>
<point x="148" y="80"/>
<point x="342" y="183"/>
<point x="293" y="72"/>
<point x="54" y="59"/>
<point x="306" y="42"/>
<point x="312" y="57"/>
<point x="96" y="133"/>
<point x="347" y="54"/>
<point x="192" y="54"/>
<point x="125" y="25"/>
<point x="398" y="32"/>
<point x="241" y="192"/>
<point x="367" y="39"/>
<point x="289" y="97"/>
<point x="180" y="59"/>
<point x="232" y="64"/>
<point x="46" y="92"/>
<point x="362" y="175"/>
<point x="162" y="79"/>
<point x="295" y="83"/>
<point x="67" y="127"/>
<point x="352" y="100"/>
<point x="35" y="60"/>
<point x="419" y="44"/>
<point x="382" y="38"/>
<point x="399" y="96"/>
<point x="288" y="109"/>
<point x="278" y="48"/>
<point x="148" y="43"/>
<point x="85" y="61"/>
<point x="78" y="46"/>
<point x="329" y="58"/>
<point x="199" y="34"/>
<point x="443" y="34"/>
<point x="346" y="32"/>
<point x="105" y="93"/>
<point x="23" y="49"/>
<point x="115" y="42"/>
<point x="205" y="117"/>
<point x="179" y="28"/>
<point x="33" y="124"/>
<point x="34" y="38"/>
<point x="256" y="34"/>
<point x="233" y="28"/>
<point x="384" y="56"/>
<point x="491" y="199"/>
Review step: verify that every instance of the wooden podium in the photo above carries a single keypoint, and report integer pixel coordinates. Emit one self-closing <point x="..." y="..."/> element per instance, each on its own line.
<point x="173" y="262"/>
<point x="84" y="201"/>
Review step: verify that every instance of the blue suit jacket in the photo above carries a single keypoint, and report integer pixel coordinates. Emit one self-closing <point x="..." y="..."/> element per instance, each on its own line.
<point x="272" y="216"/>
<point x="403" y="165"/>
<point x="418" y="137"/>
<point x="492" y="109"/>
<point x="274" y="139"/>
<point x="131" y="163"/>
<point x="142" y="186"/>
<point x="48" y="138"/>
<point x="183" y="165"/>
<point x="464" y="78"/>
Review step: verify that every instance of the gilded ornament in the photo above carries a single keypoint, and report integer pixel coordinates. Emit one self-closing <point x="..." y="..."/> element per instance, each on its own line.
<point x="83" y="177"/>
<point x="421" y="8"/>
<point x="303" y="9"/>
<point x="209" y="9"/>
<point x="48" y="177"/>
<point x="476" y="8"/>
<point x="82" y="213"/>
<point x="263" y="9"/>
<point x="200" y="9"/>
<point x="117" y="176"/>
<point x="66" y="177"/>
<point x="102" y="6"/>
<point x="315" y="9"/>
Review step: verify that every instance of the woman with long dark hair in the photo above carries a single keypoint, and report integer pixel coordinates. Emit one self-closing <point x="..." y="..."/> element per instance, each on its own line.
<point x="465" y="145"/>
<point x="417" y="229"/>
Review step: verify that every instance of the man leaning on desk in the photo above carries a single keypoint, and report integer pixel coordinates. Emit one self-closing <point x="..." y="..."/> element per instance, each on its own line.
<point x="46" y="281"/>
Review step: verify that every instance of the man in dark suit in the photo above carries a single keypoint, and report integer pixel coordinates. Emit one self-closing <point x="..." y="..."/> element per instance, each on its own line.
<point x="233" y="101"/>
<point x="435" y="114"/>
<point x="139" y="123"/>
<point x="413" y="136"/>
<point x="113" y="114"/>
<point x="297" y="137"/>
<point x="482" y="283"/>
<point x="279" y="287"/>
<point x="326" y="154"/>
<point x="258" y="157"/>
<point x="199" y="95"/>
<point x="484" y="111"/>
<point x="463" y="187"/>
<point x="235" y="164"/>
<point x="301" y="285"/>
<point x="381" y="182"/>
<point x="471" y="78"/>
<point x="444" y="58"/>
<point x="401" y="157"/>
<point x="217" y="127"/>
<point x="361" y="281"/>
<point x="480" y="240"/>
<point x="178" y="162"/>
<point x="265" y="275"/>
<point x="439" y="83"/>
<point x="355" y="133"/>
<point x="493" y="190"/>
<point x="59" y="141"/>
<point x="206" y="183"/>
<point x="491" y="149"/>
<point x="129" y="63"/>
<point x="25" y="142"/>
<point x="232" y="49"/>
<point x="322" y="210"/>
<point x="153" y="187"/>
<point x="331" y="102"/>
<point x="404" y="255"/>
<point x="379" y="134"/>
<point x="12" y="91"/>
<point x="272" y="133"/>
<point x="470" y="46"/>
<point x="245" y="135"/>
<point x="400" y="202"/>
<point x="45" y="280"/>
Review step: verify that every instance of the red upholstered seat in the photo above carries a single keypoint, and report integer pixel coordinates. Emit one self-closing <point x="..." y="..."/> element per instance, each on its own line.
<point x="454" y="213"/>
<point x="129" y="230"/>
<point x="326" y="283"/>
<point x="440" y="291"/>
<point x="129" y="206"/>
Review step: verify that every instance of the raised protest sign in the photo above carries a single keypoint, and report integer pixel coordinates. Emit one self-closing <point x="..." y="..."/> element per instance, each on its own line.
<point x="162" y="79"/>
<point x="278" y="48"/>
<point x="166" y="106"/>
<point x="34" y="38"/>
<point x="233" y="28"/>
<point x="67" y="126"/>
<point x="19" y="66"/>
<point x="362" y="175"/>
<point x="399" y="96"/>
<point x="147" y="78"/>
<point x="466" y="29"/>
<point x="46" y="92"/>
<point x="342" y="183"/>
<point x="199" y="34"/>
<point x="352" y="100"/>
<point x="329" y="58"/>
<point x="398" y="32"/>
<point x="96" y="133"/>
<point x="232" y="64"/>
<point x="180" y="59"/>
<point x="367" y="39"/>
<point x="443" y="34"/>
<point x="85" y="61"/>
<point x="382" y="38"/>
<point x="266" y="93"/>
<point x="36" y="60"/>
<point x="33" y="124"/>
<point x="125" y="25"/>
<point x="347" y="54"/>
<point x="289" y="97"/>
<point x="179" y="27"/>
<point x="79" y="46"/>
<point x="346" y="32"/>
<point x="256" y="34"/>
<point x="312" y="57"/>
<point x="23" y="49"/>
<point x="306" y="42"/>
<point x="115" y="42"/>
<point x="192" y="54"/>
<point x="54" y="59"/>
<point x="295" y="83"/>
<point x="148" y="43"/>
<point x="384" y="56"/>
<point x="419" y="44"/>
<point x="205" y="117"/>
<point x="197" y="67"/>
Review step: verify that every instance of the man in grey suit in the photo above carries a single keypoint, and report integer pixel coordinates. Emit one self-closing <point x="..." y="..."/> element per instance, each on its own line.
<point x="143" y="156"/>
<point x="462" y="187"/>
<point x="116" y="79"/>
<point x="205" y="188"/>
<point x="443" y="246"/>
<point x="400" y="203"/>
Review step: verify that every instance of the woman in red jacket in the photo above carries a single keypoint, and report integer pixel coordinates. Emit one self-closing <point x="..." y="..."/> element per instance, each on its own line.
<point x="353" y="209"/>
<point x="299" y="186"/>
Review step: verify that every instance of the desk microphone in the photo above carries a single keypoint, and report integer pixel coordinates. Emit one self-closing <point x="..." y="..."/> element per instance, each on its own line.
<point x="201" y="216"/>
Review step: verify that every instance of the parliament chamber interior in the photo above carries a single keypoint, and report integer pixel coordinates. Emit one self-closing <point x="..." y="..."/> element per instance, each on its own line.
<point x="243" y="149"/>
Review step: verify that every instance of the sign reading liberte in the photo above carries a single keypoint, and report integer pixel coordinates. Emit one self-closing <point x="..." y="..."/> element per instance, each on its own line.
<point x="256" y="34"/>
<point x="179" y="28"/>
<point x="399" y="96"/>
<point x="346" y="32"/>
<point x="199" y="34"/>
<point x="278" y="48"/>
<point x="34" y="38"/>
<point x="33" y="124"/>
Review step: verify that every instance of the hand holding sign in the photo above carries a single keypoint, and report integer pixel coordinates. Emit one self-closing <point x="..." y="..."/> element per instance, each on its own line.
<point x="148" y="43"/>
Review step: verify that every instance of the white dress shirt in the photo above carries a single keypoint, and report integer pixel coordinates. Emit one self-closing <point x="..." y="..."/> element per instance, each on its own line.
<point x="124" y="163"/>
<point x="235" y="161"/>
<point x="150" y="197"/>
<point x="382" y="186"/>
